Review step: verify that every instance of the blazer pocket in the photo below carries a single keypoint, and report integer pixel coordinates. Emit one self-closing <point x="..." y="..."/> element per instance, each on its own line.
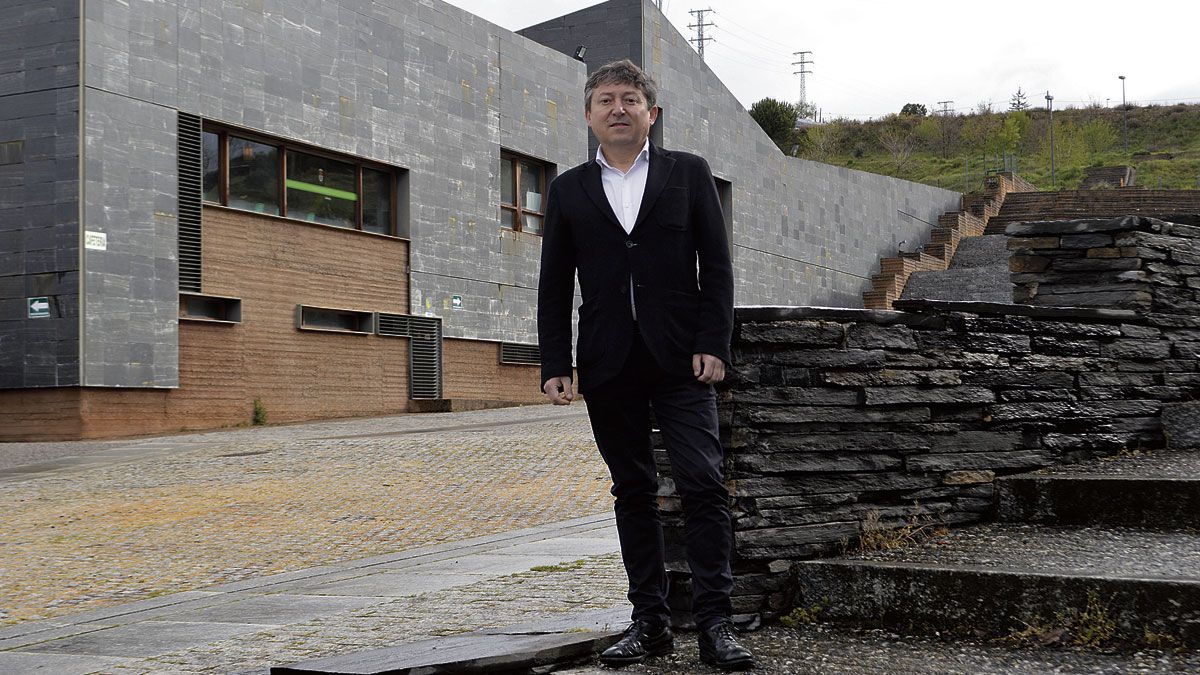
<point x="672" y="208"/>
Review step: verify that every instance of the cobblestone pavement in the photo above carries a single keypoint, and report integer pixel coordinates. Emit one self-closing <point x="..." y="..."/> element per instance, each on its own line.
<point x="128" y="520"/>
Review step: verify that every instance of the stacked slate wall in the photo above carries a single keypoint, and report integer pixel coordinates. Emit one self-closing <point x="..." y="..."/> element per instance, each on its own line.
<point x="1132" y="262"/>
<point x="835" y="418"/>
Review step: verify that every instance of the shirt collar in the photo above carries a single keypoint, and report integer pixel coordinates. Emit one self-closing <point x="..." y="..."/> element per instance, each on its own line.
<point x="643" y="156"/>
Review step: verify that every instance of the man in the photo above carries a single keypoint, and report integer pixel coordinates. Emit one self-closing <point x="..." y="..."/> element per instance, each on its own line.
<point x="643" y="229"/>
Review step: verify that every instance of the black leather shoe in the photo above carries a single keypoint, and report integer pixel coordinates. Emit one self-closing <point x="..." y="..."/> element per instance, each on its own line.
<point x="719" y="646"/>
<point x="640" y="640"/>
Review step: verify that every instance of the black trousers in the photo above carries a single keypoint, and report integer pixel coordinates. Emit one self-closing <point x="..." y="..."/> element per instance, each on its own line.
<point x="686" y="412"/>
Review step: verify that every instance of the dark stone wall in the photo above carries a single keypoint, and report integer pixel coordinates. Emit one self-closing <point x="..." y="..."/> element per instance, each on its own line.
<point x="39" y="193"/>
<point x="1131" y="262"/>
<point x="834" y="418"/>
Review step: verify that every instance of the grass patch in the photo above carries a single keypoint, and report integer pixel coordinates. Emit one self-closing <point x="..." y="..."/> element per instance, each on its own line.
<point x="879" y="536"/>
<point x="1092" y="626"/>
<point x="804" y="616"/>
<point x="561" y="567"/>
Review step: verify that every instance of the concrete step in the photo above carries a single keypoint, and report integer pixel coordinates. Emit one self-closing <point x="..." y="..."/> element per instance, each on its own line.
<point x="977" y="284"/>
<point x="1153" y="491"/>
<point x="989" y="251"/>
<point x="1123" y="585"/>
<point x="978" y="273"/>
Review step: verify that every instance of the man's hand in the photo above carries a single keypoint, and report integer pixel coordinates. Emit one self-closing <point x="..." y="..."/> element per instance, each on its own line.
<point x="558" y="390"/>
<point x="708" y="368"/>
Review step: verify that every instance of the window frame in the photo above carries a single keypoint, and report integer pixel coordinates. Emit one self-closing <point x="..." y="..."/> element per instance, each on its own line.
<point x="223" y="133"/>
<point x="518" y="209"/>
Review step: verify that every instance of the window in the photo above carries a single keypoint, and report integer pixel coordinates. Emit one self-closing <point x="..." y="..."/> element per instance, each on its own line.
<point x="211" y="149"/>
<point x="336" y="320"/>
<point x="211" y="308"/>
<point x="253" y="176"/>
<point x="321" y="190"/>
<point x="245" y="172"/>
<point x="522" y="186"/>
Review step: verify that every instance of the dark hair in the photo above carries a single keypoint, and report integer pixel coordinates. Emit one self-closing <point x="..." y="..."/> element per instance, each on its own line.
<point x="621" y="72"/>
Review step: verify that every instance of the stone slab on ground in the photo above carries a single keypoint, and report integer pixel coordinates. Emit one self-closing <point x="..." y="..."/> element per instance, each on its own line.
<point x="997" y="578"/>
<point x="1155" y="490"/>
<point x="519" y="648"/>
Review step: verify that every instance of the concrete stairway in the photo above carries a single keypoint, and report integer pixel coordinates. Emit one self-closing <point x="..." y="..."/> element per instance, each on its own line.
<point x="978" y="208"/>
<point x="1075" y="204"/>
<point x="979" y="272"/>
<point x="1105" y="553"/>
<point x="1097" y="177"/>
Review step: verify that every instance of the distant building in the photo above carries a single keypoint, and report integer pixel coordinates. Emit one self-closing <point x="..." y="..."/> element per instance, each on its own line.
<point x="334" y="209"/>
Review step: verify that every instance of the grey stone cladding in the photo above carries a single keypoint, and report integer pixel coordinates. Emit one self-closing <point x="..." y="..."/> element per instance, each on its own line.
<point x="804" y="233"/>
<point x="416" y="84"/>
<point x="422" y="86"/>
<point x="39" y="192"/>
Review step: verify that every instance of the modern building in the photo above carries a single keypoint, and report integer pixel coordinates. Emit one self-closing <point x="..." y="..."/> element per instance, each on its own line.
<point x="334" y="209"/>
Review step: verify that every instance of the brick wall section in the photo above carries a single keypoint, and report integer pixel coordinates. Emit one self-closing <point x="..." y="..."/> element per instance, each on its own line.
<point x="1130" y="262"/>
<point x="272" y="264"/>
<point x="40" y="414"/>
<point x="474" y="377"/>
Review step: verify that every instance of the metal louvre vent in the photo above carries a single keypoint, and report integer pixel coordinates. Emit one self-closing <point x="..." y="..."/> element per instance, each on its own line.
<point x="424" y="352"/>
<point x="425" y="357"/>
<point x="392" y="325"/>
<point x="191" y="191"/>
<point x="519" y="354"/>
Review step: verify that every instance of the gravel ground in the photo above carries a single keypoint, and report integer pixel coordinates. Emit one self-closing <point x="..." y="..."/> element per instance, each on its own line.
<point x="826" y="650"/>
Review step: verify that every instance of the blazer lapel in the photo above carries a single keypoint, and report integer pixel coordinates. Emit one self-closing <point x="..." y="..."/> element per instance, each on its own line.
<point x="594" y="187"/>
<point x="656" y="180"/>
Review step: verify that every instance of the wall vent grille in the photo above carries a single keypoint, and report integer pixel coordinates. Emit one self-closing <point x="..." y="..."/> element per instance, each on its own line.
<point x="520" y="354"/>
<point x="191" y="191"/>
<point x="424" y="351"/>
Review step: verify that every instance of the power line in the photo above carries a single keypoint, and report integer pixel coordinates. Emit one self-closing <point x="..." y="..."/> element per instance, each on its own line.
<point x="946" y="109"/>
<point x="751" y="31"/>
<point x="700" y="25"/>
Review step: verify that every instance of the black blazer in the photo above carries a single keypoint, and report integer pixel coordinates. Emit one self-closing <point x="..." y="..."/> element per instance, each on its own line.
<point x="677" y="256"/>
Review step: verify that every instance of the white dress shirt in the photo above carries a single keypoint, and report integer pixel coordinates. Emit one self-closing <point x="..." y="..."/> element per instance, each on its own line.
<point x="624" y="190"/>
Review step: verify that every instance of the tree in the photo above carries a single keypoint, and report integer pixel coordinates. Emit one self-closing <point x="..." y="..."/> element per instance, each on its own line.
<point x="914" y="109"/>
<point x="1069" y="146"/>
<point x="898" y="138"/>
<point x="977" y="131"/>
<point x="1008" y="138"/>
<point x="822" y="141"/>
<point x="1018" y="101"/>
<point x="778" y="120"/>
<point x="1098" y="136"/>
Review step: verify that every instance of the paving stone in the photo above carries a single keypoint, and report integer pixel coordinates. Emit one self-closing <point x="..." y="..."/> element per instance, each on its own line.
<point x="275" y="609"/>
<point x="153" y="517"/>
<point x="394" y="584"/>
<point x="58" y="664"/>
<point x="150" y="638"/>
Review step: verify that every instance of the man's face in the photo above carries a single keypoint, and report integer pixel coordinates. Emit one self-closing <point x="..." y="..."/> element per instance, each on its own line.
<point x="619" y="116"/>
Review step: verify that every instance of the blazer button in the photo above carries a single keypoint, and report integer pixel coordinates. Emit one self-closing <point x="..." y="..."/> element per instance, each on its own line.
<point x="630" y="244"/>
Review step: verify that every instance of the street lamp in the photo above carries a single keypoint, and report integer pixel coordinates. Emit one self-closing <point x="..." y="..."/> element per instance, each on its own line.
<point x="1050" y="109"/>
<point x="1124" y="115"/>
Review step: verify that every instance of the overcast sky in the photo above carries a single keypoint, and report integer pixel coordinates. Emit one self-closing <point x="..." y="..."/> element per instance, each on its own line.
<point x="873" y="56"/>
